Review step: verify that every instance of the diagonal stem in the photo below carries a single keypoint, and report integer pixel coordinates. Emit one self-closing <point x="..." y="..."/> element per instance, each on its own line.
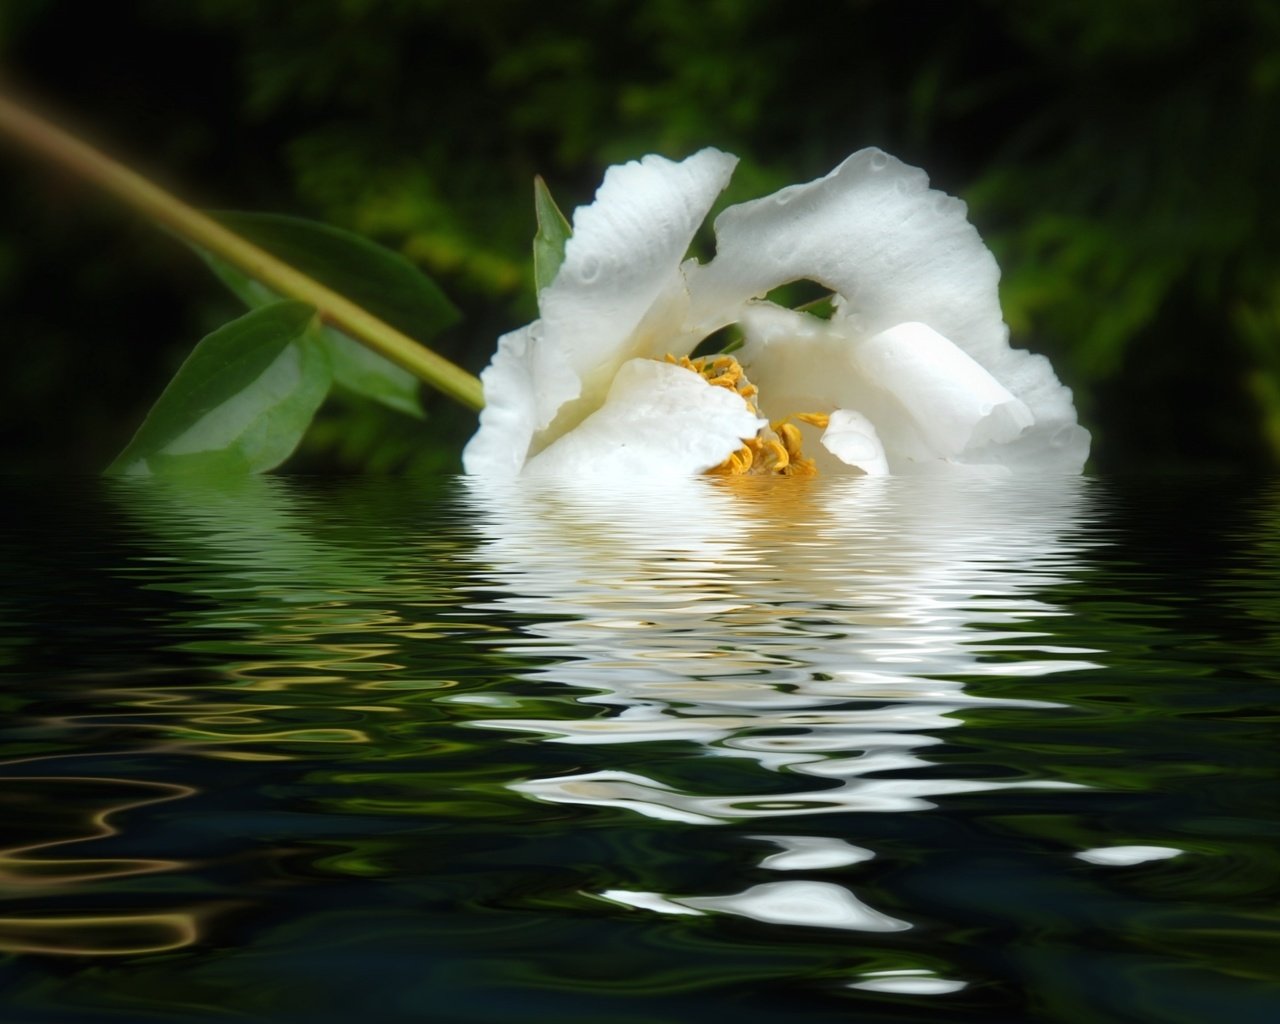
<point x="51" y="142"/>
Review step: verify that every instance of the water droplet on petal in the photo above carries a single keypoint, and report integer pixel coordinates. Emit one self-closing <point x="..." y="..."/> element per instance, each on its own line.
<point x="590" y="269"/>
<point x="879" y="161"/>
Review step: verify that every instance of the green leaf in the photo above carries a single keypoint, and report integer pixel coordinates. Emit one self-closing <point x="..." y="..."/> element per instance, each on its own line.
<point x="241" y="401"/>
<point x="354" y="367"/>
<point x="370" y="275"/>
<point x="363" y="371"/>
<point x="553" y="234"/>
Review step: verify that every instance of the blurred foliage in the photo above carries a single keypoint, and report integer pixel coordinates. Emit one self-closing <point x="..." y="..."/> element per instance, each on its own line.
<point x="1119" y="158"/>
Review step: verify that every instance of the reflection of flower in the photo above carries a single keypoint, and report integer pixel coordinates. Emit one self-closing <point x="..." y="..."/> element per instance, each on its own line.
<point x="912" y="371"/>
<point x="821" y="632"/>
<point x="763" y="659"/>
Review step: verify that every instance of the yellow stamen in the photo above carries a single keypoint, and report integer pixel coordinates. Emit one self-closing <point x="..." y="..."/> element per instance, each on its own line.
<point x="778" y="449"/>
<point x="720" y="372"/>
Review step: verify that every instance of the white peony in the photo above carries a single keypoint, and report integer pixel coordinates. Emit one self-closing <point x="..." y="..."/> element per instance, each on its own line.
<point x="913" y="371"/>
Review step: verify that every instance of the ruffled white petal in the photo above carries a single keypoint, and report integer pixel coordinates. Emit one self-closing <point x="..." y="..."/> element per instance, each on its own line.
<point x="852" y="439"/>
<point x="624" y="257"/>
<point x="1056" y="443"/>
<point x="518" y="384"/>
<point x="872" y="231"/>
<point x="896" y="252"/>
<point x="507" y="421"/>
<point x="658" y="420"/>
<point x="954" y="402"/>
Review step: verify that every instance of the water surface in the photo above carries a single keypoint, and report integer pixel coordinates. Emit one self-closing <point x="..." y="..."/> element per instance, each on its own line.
<point x="906" y="750"/>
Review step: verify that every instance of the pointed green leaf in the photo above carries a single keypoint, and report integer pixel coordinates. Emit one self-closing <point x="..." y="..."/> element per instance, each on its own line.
<point x="354" y="367"/>
<point x="370" y="275"/>
<point x="553" y="234"/>
<point x="241" y="401"/>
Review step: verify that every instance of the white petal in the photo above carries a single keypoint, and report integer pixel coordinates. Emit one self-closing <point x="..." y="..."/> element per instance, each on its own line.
<point x="521" y="386"/>
<point x="625" y="256"/>
<point x="803" y="364"/>
<point x="872" y="231"/>
<point x="852" y="439"/>
<point x="896" y="252"/>
<point x="954" y="401"/>
<point x="658" y="419"/>
<point x="1057" y="443"/>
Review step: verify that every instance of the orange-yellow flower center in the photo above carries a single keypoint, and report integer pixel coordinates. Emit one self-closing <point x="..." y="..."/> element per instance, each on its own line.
<point x="777" y="449"/>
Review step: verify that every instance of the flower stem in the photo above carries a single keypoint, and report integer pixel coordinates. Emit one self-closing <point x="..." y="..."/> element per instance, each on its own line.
<point x="51" y="142"/>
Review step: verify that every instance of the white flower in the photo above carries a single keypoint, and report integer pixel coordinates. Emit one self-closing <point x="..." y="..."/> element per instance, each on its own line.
<point x="912" y="372"/>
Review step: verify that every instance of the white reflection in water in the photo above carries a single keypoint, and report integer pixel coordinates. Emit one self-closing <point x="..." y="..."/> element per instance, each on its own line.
<point x="822" y="629"/>
<point x="909" y="982"/>
<point x="1127" y="856"/>
<point x="813" y="904"/>
<point x="811" y="853"/>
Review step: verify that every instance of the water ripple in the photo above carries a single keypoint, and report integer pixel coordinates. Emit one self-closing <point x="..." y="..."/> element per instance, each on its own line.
<point x="877" y="749"/>
<point x="823" y="632"/>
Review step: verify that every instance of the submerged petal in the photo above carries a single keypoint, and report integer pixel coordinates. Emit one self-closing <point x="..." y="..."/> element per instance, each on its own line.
<point x="658" y="419"/>
<point x="872" y="231"/>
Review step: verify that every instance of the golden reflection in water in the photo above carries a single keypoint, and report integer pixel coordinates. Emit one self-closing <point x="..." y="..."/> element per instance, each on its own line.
<point x="57" y="812"/>
<point x="98" y="935"/>
<point x="299" y="620"/>
<point x="266" y="600"/>
<point x="822" y="628"/>
<point x="68" y="812"/>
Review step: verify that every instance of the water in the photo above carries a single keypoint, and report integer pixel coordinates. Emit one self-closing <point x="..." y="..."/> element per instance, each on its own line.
<point x="810" y="750"/>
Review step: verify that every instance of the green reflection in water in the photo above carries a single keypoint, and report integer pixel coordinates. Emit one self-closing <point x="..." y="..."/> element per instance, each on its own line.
<point x="353" y="748"/>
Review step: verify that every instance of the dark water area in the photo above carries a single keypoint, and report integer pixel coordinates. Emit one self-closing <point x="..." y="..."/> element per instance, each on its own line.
<point x="906" y="750"/>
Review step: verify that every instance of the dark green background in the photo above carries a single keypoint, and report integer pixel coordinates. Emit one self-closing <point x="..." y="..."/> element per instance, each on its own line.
<point x="1120" y="158"/>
